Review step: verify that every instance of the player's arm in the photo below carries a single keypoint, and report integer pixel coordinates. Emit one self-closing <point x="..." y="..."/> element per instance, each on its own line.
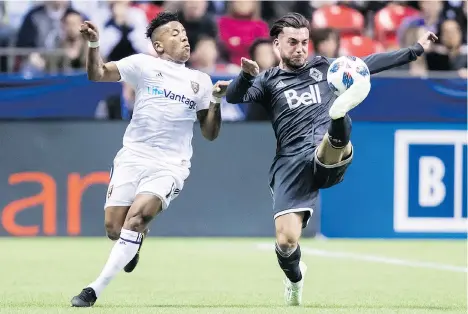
<point x="98" y="71"/>
<point x="379" y="62"/>
<point x="247" y="86"/>
<point x="210" y="118"/>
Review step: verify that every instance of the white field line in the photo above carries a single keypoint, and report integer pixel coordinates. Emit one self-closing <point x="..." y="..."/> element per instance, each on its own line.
<point x="372" y="258"/>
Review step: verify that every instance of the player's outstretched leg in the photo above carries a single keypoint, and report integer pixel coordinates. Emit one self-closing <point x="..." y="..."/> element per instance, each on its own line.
<point x="352" y="97"/>
<point x="143" y="210"/>
<point x="335" y="146"/>
<point x="288" y="252"/>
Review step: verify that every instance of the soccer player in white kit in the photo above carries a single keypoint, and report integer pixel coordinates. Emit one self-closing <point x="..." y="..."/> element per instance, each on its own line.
<point x="150" y="170"/>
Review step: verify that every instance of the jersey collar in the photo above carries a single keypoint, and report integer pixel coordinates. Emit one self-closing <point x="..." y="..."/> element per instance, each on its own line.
<point x="173" y="64"/>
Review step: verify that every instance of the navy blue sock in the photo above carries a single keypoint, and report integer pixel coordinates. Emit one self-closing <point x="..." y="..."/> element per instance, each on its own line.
<point x="339" y="132"/>
<point x="290" y="264"/>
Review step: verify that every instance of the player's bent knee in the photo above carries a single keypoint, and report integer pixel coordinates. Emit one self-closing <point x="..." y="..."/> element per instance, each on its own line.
<point x="113" y="230"/>
<point x="328" y="175"/>
<point x="285" y="242"/>
<point x="114" y="219"/>
<point x="114" y="236"/>
<point x="288" y="230"/>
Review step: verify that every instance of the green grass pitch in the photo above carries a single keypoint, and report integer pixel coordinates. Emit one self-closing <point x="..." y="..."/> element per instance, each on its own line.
<point x="236" y="276"/>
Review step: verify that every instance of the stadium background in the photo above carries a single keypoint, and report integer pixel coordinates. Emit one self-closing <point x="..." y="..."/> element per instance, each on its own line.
<point x="59" y="133"/>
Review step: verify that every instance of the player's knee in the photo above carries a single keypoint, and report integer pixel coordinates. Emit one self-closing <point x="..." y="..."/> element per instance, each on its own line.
<point x="113" y="230"/>
<point x="287" y="239"/>
<point x="286" y="242"/>
<point x="138" y="222"/>
<point x="288" y="230"/>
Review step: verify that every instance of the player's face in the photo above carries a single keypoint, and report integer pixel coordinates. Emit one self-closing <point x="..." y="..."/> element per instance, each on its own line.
<point x="293" y="46"/>
<point x="172" y="40"/>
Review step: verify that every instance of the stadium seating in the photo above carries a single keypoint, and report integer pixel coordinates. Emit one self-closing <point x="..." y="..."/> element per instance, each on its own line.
<point x="344" y="19"/>
<point x="388" y="20"/>
<point x="359" y="46"/>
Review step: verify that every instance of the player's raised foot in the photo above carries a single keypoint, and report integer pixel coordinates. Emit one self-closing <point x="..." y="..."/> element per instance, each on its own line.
<point x="86" y="298"/>
<point x="134" y="262"/>
<point x="352" y="97"/>
<point x="293" y="290"/>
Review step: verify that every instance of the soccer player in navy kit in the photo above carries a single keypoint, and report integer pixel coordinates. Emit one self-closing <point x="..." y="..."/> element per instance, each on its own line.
<point x="312" y="130"/>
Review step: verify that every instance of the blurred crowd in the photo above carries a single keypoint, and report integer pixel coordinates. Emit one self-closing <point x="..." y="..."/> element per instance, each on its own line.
<point x="43" y="36"/>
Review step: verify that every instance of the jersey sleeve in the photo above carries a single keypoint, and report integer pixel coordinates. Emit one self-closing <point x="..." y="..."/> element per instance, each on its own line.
<point x="207" y="90"/>
<point x="379" y="62"/>
<point x="246" y="89"/>
<point x="130" y="69"/>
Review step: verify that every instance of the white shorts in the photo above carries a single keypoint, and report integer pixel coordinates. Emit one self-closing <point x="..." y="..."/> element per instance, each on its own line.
<point x="132" y="175"/>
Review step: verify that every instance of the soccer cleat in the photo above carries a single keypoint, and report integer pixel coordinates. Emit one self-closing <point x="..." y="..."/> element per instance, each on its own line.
<point x="352" y="97"/>
<point x="134" y="262"/>
<point x="293" y="291"/>
<point x="86" y="298"/>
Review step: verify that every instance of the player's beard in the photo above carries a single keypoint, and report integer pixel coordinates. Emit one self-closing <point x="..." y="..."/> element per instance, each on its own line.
<point x="294" y="64"/>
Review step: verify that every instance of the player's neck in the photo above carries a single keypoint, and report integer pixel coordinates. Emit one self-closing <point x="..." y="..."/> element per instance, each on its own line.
<point x="166" y="57"/>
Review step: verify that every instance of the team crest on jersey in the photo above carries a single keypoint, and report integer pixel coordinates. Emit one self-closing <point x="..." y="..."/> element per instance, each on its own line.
<point x="195" y="86"/>
<point x="316" y="74"/>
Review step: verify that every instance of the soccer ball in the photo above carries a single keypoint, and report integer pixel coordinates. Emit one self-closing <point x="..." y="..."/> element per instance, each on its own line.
<point x="344" y="72"/>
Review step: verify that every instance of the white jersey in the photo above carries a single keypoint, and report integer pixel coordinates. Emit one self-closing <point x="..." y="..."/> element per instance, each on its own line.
<point x="167" y="97"/>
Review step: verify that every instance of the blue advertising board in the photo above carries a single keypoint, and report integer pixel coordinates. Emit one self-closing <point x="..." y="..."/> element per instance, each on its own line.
<point x="54" y="96"/>
<point x="406" y="181"/>
<point x="391" y="99"/>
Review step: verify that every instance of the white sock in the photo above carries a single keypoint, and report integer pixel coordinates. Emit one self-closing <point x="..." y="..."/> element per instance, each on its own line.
<point x="122" y="253"/>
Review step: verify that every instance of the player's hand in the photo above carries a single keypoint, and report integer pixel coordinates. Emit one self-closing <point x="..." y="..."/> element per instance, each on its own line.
<point x="89" y="31"/>
<point x="427" y="39"/>
<point x="219" y="89"/>
<point x="250" y="67"/>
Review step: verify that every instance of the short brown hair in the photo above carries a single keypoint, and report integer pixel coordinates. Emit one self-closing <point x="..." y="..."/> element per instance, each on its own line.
<point x="294" y="20"/>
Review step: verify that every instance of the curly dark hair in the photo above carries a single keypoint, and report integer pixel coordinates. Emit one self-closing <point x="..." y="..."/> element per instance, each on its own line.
<point x="294" y="20"/>
<point x="161" y="19"/>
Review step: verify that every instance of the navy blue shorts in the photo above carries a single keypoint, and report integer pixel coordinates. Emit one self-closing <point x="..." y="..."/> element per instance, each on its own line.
<point x="295" y="182"/>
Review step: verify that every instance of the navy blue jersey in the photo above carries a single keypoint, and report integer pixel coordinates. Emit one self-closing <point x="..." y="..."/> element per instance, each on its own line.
<point x="297" y="101"/>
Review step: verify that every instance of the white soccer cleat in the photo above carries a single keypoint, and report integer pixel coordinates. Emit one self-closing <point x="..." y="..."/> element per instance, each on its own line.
<point x="352" y="97"/>
<point x="293" y="291"/>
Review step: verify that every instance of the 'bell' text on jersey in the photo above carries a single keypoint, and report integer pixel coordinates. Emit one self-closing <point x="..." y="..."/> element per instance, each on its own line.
<point x="167" y="97"/>
<point x="306" y="98"/>
<point x="298" y="101"/>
